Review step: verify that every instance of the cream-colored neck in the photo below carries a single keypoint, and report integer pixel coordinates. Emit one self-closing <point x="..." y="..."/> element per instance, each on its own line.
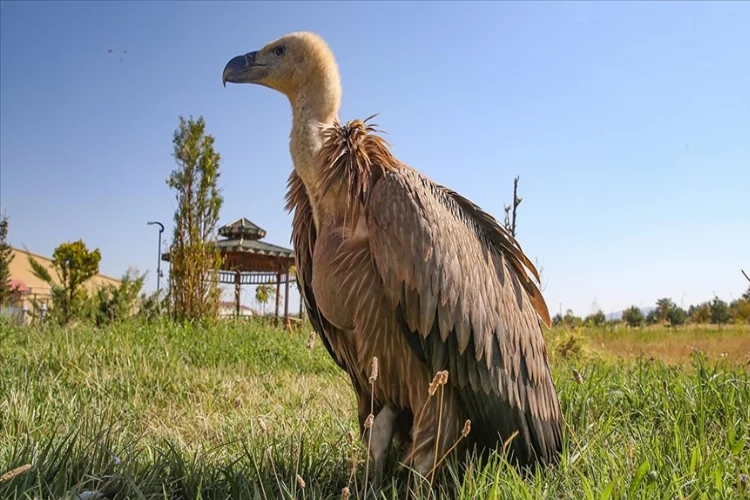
<point x="312" y="110"/>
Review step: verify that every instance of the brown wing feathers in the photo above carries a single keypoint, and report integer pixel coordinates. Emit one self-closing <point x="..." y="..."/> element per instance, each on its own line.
<point x="500" y="237"/>
<point x="303" y="240"/>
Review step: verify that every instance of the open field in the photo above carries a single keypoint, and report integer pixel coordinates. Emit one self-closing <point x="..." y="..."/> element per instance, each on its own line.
<point x="729" y="344"/>
<point x="238" y="411"/>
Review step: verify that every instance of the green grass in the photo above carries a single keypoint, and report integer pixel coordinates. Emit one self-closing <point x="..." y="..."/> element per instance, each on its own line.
<point x="238" y="411"/>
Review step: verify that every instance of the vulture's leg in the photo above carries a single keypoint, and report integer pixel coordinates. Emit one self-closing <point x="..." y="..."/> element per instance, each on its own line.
<point x="435" y="433"/>
<point x="364" y="408"/>
<point x="380" y="436"/>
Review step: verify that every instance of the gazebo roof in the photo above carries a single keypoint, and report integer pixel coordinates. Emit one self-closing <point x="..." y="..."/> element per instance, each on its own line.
<point x="242" y="228"/>
<point x="254" y="246"/>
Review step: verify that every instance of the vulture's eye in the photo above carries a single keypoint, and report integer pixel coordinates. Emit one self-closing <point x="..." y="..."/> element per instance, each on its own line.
<point x="279" y="51"/>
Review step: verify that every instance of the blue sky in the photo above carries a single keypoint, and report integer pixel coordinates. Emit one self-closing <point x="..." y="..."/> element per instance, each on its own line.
<point x="628" y="123"/>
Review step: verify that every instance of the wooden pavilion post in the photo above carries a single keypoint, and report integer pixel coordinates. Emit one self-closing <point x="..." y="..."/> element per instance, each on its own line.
<point x="286" y="300"/>
<point x="237" y="289"/>
<point x="278" y="292"/>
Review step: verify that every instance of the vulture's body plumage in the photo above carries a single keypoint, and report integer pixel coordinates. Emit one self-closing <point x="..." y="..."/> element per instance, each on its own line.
<point x="394" y="266"/>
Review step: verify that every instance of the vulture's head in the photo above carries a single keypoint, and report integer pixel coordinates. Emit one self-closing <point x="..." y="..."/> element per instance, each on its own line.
<point x="295" y="64"/>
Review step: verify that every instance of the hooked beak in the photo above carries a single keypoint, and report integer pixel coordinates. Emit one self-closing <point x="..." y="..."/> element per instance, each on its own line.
<point x="242" y="69"/>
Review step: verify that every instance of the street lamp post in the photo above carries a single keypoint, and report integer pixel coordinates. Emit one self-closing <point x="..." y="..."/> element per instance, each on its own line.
<point x="158" y="262"/>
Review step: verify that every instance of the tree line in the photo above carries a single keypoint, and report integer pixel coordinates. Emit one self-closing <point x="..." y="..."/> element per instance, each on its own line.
<point x="715" y="311"/>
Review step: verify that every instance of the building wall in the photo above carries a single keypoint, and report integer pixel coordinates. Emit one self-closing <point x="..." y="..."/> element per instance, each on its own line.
<point x="20" y="269"/>
<point x="227" y="309"/>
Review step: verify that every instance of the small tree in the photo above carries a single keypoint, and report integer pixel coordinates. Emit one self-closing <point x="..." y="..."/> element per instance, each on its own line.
<point x="557" y="319"/>
<point x="74" y="265"/>
<point x="700" y="313"/>
<point x="510" y="210"/>
<point x="633" y="316"/>
<point x="263" y="294"/>
<point x="194" y="258"/>
<point x="570" y="320"/>
<point x="511" y="213"/>
<point x="6" y="257"/>
<point x="719" y="312"/>
<point x="740" y="310"/>
<point x="676" y="316"/>
<point x="663" y="306"/>
<point x="115" y="303"/>
<point x="596" y="319"/>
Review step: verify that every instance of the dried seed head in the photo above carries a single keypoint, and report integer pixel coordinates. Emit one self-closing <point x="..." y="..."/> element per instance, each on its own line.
<point x="262" y="424"/>
<point x="13" y="473"/>
<point x="440" y="378"/>
<point x="350" y="437"/>
<point x="300" y="482"/>
<point x="374" y="370"/>
<point x="434" y="384"/>
<point x="577" y="377"/>
<point x="370" y="419"/>
<point x="345" y="493"/>
<point x="466" y="429"/>
<point x="311" y="340"/>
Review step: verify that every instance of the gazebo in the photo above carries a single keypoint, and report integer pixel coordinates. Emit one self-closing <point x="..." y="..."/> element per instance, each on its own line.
<point x="246" y="260"/>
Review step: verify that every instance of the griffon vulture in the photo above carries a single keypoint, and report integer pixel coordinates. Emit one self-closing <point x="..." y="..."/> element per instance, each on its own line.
<point x="394" y="266"/>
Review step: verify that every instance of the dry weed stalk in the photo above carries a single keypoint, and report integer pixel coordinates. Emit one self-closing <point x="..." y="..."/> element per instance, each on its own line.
<point x="370" y="417"/>
<point x="507" y="442"/>
<point x="13" y="473"/>
<point x="311" y="341"/>
<point x="273" y="466"/>
<point x="443" y="381"/>
<point x="438" y="380"/>
<point x="577" y="376"/>
<point x="464" y="432"/>
<point x="302" y="423"/>
<point x="353" y="472"/>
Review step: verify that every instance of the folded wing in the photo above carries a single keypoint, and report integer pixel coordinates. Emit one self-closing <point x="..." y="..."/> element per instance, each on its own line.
<point x="456" y="280"/>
